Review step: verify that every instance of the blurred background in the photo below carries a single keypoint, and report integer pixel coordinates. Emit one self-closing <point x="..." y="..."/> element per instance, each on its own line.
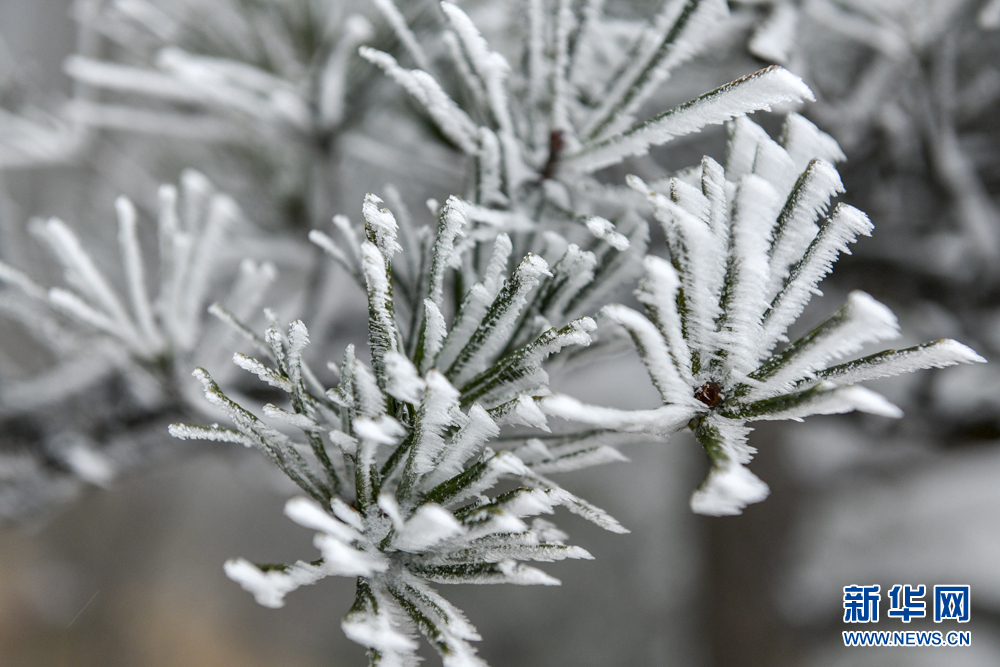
<point x="123" y="565"/>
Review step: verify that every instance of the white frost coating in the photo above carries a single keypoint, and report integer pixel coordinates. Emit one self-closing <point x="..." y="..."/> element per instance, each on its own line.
<point x="197" y="190"/>
<point x="701" y="255"/>
<point x="754" y="212"/>
<point x="494" y="331"/>
<point x="383" y="224"/>
<point x="831" y="399"/>
<point x="429" y="525"/>
<point x="450" y="633"/>
<point x="653" y="351"/>
<point x="387" y="503"/>
<point x="298" y="339"/>
<point x="444" y="255"/>
<point x="524" y="575"/>
<point x="269" y="588"/>
<point x="665" y="420"/>
<point x="489" y="528"/>
<point x="346" y="443"/>
<point x="713" y="186"/>
<point x="384" y="431"/>
<point x="292" y="419"/>
<point x="331" y="248"/>
<point x="333" y="79"/>
<point x="658" y="293"/>
<point x="561" y="97"/>
<point x="491" y="67"/>
<point x="449" y="117"/>
<point x="775" y="36"/>
<point x="804" y="141"/>
<point x="690" y="198"/>
<point x="438" y="411"/>
<point x="572" y="273"/>
<point x="529" y="547"/>
<point x="605" y="229"/>
<point x="587" y="458"/>
<point x="938" y="354"/>
<point x="470" y="315"/>
<point x="403" y="33"/>
<point x="12" y="276"/>
<point x="728" y="490"/>
<point x="81" y="274"/>
<point x="477" y="431"/>
<point x="72" y="304"/>
<point x="452" y="630"/>
<point x="582" y="508"/>
<point x="548" y="532"/>
<point x="233" y="83"/>
<point x="654" y="63"/>
<point x="493" y="278"/>
<point x="131" y="79"/>
<point x="343" y="225"/>
<point x="382" y="325"/>
<point x="371" y="400"/>
<point x="819" y="183"/>
<point x="497" y="465"/>
<point x="469" y="79"/>
<point x="347" y="514"/>
<point x="754" y="92"/>
<point x="529" y="502"/>
<point x="774" y="165"/>
<point x="376" y="631"/>
<point x="309" y="514"/>
<point x="211" y="434"/>
<point x="490" y="169"/>
<point x="860" y="320"/>
<point x="457" y="623"/>
<point x="222" y="213"/>
<point x="404" y="382"/>
<point x="435" y="330"/>
<point x="536" y="47"/>
<point x="741" y="148"/>
<point x="843" y="227"/>
<point x="343" y="560"/>
<point x="135" y="274"/>
<point x="525" y="413"/>
<point x="494" y="220"/>
<point x="578" y="334"/>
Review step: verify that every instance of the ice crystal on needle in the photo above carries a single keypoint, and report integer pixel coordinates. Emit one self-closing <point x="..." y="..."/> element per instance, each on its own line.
<point x="537" y="132"/>
<point x="396" y="461"/>
<point x="748" y="243"/>
<point x="220" y="70"/>
<point x="165" y="328"/>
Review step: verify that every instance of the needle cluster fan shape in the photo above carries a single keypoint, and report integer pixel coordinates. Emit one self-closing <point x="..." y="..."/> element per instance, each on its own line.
<point x="196" y="227"/>
<point x="222" y="70"/>
<point x="537" y="132"/>
<point x="395" y="460"/>
<point x="748" y="244"/>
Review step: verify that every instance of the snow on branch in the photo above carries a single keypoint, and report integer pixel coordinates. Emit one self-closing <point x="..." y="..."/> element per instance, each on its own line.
<point x="717" y="371"/>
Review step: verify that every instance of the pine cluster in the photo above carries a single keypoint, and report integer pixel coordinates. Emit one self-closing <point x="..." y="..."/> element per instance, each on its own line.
<point x="427" y="462"/>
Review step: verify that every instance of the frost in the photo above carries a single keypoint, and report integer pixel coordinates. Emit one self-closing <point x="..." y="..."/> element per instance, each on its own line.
<point x="707" y="344"/>
<point x="727" y="491"/>
<point x="399" y="501"/>
<point x="270" y="587"/>
<point x="424" y="461"/>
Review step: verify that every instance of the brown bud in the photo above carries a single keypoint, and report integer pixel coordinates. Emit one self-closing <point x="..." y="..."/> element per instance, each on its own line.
<point x="709" y="393"/>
